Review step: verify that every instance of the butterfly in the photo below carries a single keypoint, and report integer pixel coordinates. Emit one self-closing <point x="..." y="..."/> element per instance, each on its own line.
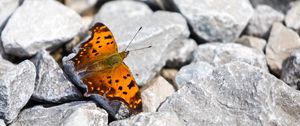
<point x="104" y="71"/>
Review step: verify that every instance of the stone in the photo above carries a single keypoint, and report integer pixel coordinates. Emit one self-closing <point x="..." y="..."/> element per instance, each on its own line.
<point x="181" y="53"/>
<point x="253" y="42"/>
<point x="16" y="87"/>
<point x="236" y="94"/>
<point x="293" y="16"/>
<point x="150" y="119"/>
<point x="156" y="93"/>
<point x="7" y="7"/>
<point x="214" y="20"/>
<point x="189" y="73"/>
<point x="281" y="5"/>
<point x="51" y="84"/>
<point x="130" y="10"/>
<point x="290" y="70"/>
<point x="169" y="74"/>
<point x="38" y="25"/>
<point x="2" y="123"/>
<point x="80" y="5"/>
<point x="281" y="43"/>
<point x="78" y="113"/>
<point x="217" y="54"/>
<point x="156" y="4"/>
<point x="262" y="20"/>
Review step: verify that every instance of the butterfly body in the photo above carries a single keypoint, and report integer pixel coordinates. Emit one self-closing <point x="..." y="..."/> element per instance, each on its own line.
<point x="108" y="63"/>
<point x="102" y="70"/>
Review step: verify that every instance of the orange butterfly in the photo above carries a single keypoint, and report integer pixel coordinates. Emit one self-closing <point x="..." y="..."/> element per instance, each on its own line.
<point x="105" y="72"/>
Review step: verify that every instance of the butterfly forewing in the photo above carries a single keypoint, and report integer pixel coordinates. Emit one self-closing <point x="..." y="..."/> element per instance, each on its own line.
<point x="100" y="45"/>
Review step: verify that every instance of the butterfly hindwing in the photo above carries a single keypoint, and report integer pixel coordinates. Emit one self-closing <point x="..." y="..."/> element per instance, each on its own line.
<point x="100" y="45"/>
<point x="124" y="87"/>
<point x="97" y="82"/>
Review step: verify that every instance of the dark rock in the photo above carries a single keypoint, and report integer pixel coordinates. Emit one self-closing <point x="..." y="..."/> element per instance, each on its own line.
<point x="51" y="84"/>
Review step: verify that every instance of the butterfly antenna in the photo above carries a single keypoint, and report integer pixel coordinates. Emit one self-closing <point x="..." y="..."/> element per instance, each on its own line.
<point x="141" y="48"/>
<point x="133" y="38"/>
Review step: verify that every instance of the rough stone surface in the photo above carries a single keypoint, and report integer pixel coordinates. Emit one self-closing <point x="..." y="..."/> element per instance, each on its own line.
<point x="253" y="42"/>
<point x="281" y="43"/>
<point x="80" y="5"/>
<point x="156" y="93"/>
<point x="293" y="16"/>
<point x="190" y="73"/>
<point x="169" y="74"/>
<point x="2" y="123"/>
<point x="181" y="53"/>
<point x="7" y="7"/>
<point x="37" y="25"/>
<point x="150" y="119"/>
<point x="281" y="5"/>
<point x="218" y="54"/>
<point x="130" y="10"/>
<point x="69" y="114"/>
<point x="291" y="70"/>
<point x="16" y="87"/>
<point x="51" y="84"/>
<point x="215" y="20"/>
<point x="262" y="20"/>
<point x="236" y="94"/>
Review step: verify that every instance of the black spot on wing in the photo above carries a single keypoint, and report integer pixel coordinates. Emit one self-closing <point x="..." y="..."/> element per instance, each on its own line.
<point x="131" y="84"/>
<point x="120" y="88"/>
<point x="108" y="37"/>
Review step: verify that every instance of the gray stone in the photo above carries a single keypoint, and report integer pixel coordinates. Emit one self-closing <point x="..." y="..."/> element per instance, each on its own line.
<point x="2" y="123"/>
<point x="218" y="54"/>
<point x="160" y="35"/>
<point x="16" y="87"/>
<point x="293" y="16"/>
<point x="262" y="20"/>
<point x="169" y="74"/>
<point x="253" y="42"/>
<point x="281" y="5"/>
<point x="156" y="4"/>
<point x="51" y="84"/>
<point x="80" y="5"/>
<point x="181" y="53"/>
<point x="38" y="25"/>
<point x="236" y="94"/>
<point x="215" y="20"/>
<point x="68" y="114"/>
<point x="190" y="73"/>
<point x="281" y="43"/>
<point x="130" y="10"/>
<point x="156" y="93"/>
<point x="150" y="119"/>
<point x="291" y="71"/>
<point x="7" y="7"/>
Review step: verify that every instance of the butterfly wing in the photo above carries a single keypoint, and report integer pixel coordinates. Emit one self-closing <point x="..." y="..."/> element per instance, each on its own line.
<point x="117" y="84"/>
<point x="124" y="87"/>
<point x="100" y="45"/>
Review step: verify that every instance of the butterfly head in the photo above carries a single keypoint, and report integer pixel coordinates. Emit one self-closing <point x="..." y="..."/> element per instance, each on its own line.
<point x="124" y="54"/>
